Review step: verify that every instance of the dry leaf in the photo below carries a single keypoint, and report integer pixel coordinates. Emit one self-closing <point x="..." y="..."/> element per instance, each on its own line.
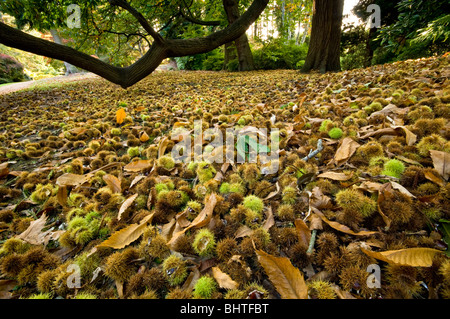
<point x="113" y="183"/>
<point x="136" y="180"/>
<point x="144" y="137"/>
<point x="287" y="279"/>
<point x="340" y="227"/>
<point x="336" y="176"/>
<point x="303" y="232"/>
<point x="120" y="116"/>
<point x="163" y="145"/>
<point x="410" y="137"/>
<point x="4" y="171"/>
<point x="202" y="219"/>
<point x="127" y="235"/>
<point x="62" y="195"/>
<point x="414" y="257"/>
<point x="223" y="279"/>
<point x="70" y="179"/>
<point x="127" y="203"/>
<point x="345" y="151"/>
<point x="441" y="162"/>
<point x="243" y="231"/>
<point x="5" y="287"/>
<point x="270" y="220"/>
<point x="431" y="176"/>
<point x="138" y="166"/>
<point x="401" y="189"/>
<point x="34" y="234"/>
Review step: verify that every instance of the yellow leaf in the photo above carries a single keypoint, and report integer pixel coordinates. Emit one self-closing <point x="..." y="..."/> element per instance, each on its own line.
<point x="144" y="137"/>
<point x="414" y="257"/>
<point x="286" y="278"/>
<point x="120" y="116"/>
<point x="127" y="235"/>
<point x="223" y="279"/>
<point x="113" y="183"/>
<point x="127" y="203"/>
<point x="138" y="166"/>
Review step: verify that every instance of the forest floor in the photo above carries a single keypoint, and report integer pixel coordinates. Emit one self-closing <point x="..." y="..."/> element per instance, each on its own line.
<point x="353" y="203"/>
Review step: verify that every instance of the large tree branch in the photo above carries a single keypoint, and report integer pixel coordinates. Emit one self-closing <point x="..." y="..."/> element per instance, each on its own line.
<point x="130" y="75"/>
<point x="190" y="17"/>
<point x="141" y="19"/>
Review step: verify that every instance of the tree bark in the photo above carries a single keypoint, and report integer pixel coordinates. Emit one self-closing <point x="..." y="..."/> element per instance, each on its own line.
<point x="160" y="49"/>
<point x="244" y="52"/>
<point x="324" y="46"/>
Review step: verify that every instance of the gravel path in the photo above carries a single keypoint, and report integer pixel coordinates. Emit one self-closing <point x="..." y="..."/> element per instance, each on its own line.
<point x="24" y="85"/>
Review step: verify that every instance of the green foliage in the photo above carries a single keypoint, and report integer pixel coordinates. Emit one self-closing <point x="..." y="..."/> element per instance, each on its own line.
<point x="277" y="54"/>
<point x="10" y="70"/>
<point x="213" y="61"/>
<point x="420" y="30"/>
<point x="354" y="48"/>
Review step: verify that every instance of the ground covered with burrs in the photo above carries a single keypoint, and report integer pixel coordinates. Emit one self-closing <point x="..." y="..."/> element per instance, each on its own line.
<point x="93" y="203"/>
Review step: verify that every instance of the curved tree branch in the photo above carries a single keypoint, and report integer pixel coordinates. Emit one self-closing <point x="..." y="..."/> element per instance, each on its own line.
<point x="159" y="50"/>
<point x="189" y="17"/>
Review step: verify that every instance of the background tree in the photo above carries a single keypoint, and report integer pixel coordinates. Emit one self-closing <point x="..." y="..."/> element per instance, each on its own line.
<point x="324" y="47"/>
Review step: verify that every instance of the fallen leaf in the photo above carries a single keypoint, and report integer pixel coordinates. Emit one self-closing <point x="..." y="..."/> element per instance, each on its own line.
<point x="414" y="257"/>
<point x="410" y="137"/>
<point x="69" y="179"/>
<point x="345" y="151"/>
<point x="4" y="171"/>
<point x="127" y="203"/>
<point x="342" y="228"/>
<point x="401" y="189"/>
<point x="287" y="279"/>
<point x="127" y="235"/>
<point x="303" y="232"/>
<point x="113" y="183"/>
<point x="144" y="137"/>
<point x="243" y="231"/>
<point x="335" y="176"/>
<point x="34" y="234"/>
<point x="270" y="221"/>
<point x="441" y="162"/>
<point x="120" y="116"/>
<point x="5" y="287"/>
<point x="62" y="195"/>
<point x="431" y="176"/>
<point x="223" y="279"/>
<point x="136" y="180"/>
<point x="202" y="219"/>
<point x="138" y="166"/>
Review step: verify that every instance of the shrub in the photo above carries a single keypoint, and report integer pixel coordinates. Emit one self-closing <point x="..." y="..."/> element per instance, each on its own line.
<point x="10" y="70"/>
<point x="277" y="54"/>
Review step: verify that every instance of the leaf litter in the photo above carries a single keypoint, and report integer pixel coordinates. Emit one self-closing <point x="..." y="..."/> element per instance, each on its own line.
<point x="87" y="178"/>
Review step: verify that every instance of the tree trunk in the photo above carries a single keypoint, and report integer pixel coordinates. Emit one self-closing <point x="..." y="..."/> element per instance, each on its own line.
<point x="369" y="49"/>
<point x="70" y="69"/>
<point x="244" y="52"/>
<point x="324" y="46"/>
<point x="229" y="54"/>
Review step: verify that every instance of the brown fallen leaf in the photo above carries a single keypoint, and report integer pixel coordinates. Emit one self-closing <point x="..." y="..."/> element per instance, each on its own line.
<point x="127" y="235"/>
<point x="138" y="166"/>
<point x="113" y="183"/>
<point x="69" y="179"/>
<point x="62" y="196"/>
<point x="335" y="176"/>
<point x="4" y="171"/>
<point x="410" y="137"/>
<point x="143" y="137"/>
<point x="303" y="232"/>
<point x="287" y="279"/>
<point x="5" y="287"/>
<point x="441" y="162"/>
<point x="401" y="189"/>
<point x="223" y="279"/>
<point x="127" y="203"/>
<point x="345" y="151"/>
<point x="270" y="220"/>
<point x="414" y="257"/>
<point x="202" y="219"/>
<point x="432" y="176"/>
<point x="342" y="228"/>
<point x="243" y="231"/>
<point x="34" y="234"/>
